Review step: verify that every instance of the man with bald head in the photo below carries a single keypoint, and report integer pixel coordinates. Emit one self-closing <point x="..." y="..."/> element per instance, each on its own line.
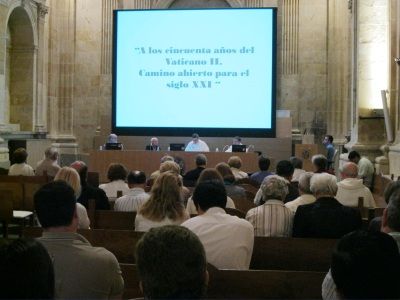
<point x="351" y="188"/>
<point x="88" y="191"/>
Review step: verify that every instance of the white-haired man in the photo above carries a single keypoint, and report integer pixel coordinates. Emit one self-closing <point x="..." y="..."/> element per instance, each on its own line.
<point x="49" y="164"/>
<point x="326" y="217"/>
<point x="272" y="218"/>
<point x="306" y="196"/>
<point x="351" y="188"/>
<point x="153" y="145"/>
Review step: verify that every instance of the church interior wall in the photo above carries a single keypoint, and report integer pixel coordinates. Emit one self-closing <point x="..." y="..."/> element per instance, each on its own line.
<point x="313" y="35"/>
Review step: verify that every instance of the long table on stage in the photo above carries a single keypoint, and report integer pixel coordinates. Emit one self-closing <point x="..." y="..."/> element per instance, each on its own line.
<point x="149" y="161"/>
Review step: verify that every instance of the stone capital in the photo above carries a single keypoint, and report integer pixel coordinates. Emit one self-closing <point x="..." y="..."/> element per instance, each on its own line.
<point x="43" y="10"/>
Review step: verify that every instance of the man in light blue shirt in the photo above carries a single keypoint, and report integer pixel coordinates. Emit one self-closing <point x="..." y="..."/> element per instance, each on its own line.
<point x="328" y="142"/>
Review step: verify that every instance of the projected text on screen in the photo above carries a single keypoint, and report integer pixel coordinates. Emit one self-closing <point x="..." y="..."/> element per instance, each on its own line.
<point x="195" y="70"/>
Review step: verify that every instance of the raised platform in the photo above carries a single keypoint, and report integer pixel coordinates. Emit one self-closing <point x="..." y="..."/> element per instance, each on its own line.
<point x="149" y="161"/>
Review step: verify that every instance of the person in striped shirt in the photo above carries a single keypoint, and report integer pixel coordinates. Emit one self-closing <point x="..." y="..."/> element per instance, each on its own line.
<point x="272" y="218"/>
<point x="136" y="196"/>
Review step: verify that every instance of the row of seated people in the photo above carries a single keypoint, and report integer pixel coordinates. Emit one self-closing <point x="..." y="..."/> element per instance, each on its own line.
<point x="270" y="219"/>
<point x="171" y="260"/>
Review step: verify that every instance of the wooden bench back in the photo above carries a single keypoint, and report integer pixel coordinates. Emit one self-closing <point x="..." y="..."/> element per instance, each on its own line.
<point x="297" y="254"/>
<point x="268" y="253"/>
<point x="109" y="219"/>
<point x="22" y="189"/>
<point x="122" y="243"/>
<point x="227" y="284"/>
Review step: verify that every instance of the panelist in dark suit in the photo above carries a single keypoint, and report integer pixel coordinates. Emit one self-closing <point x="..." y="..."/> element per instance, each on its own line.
<point x="326" y="217"/>
<point x="153" y="145"/>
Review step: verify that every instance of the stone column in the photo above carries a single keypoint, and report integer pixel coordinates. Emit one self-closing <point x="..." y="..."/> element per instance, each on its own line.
<point x="61" y="77"/>
<point x="41" y="97"/>
<point x="3" y="53"/>
<point x="370" y="75"/>
<point x="394" y="149"/>
<point x="339" y="70"/>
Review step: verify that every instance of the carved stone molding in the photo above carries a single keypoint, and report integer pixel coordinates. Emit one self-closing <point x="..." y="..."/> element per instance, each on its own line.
<point x="43" y="10"/>
<point x="290" y="37"/>
<point x="164" y="4"/>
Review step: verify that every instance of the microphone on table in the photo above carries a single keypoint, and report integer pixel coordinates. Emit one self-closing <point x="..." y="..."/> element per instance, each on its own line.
<point x="225" y="148"/>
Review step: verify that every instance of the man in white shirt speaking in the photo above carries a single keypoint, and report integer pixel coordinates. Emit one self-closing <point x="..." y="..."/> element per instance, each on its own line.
<point x="228" y="240"/>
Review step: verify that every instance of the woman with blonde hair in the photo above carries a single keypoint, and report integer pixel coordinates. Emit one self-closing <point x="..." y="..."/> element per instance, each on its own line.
<point x="164" y="206"/>
<point x="207" y="175"/>
<point x="71" y="176"/>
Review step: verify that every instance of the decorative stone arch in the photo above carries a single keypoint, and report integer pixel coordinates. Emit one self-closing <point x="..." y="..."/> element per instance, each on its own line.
<point x="164" y="4"/>
<point x="18" y="106"/>
<point x="31" y="11"/>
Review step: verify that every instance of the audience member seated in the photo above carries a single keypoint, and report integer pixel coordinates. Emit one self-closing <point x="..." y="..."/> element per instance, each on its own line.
<point x="297" y="164"/>
<point x="171" y="264"/>
<point x="197" y="145"/>
<point x="88" y="191"/>
<point x="365" y="168"/>
<point x="306" y="196"/>
<point x="19" y="166"/>
<point x="228" y="240"/>
<point x="285" y="170"/>
<point x="116" y="174"/>
<point x="191" y="176"/>
<point x="233" y="191"/>
<point x="365" y="265"/>
<point x="81" y="271"/>
<point x="376" y="223"/>
<point x="206" y="175"/>
<point x="155" y="174"/>
<point x="351" y="188"/>
<point x="263" y="165"/>
<point x="237" y="140"/>
<point x="26" y="271"/>
<point x="391" y="217"/>
<point x="326" y="217"/>
<point x="136" y="196"/>
<point x="174" y="167"/>
<point x="49" y="164"/>
<point x="320" y="164"/>
<point x="272" y="218"/>
<point x="153" y="145"/>
<point x="235" y="163"/>
<point x="71" y="177"/>
<point x="164" y="206"/>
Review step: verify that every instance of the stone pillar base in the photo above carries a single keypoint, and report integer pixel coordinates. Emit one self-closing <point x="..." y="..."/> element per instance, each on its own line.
<point x="4" y="158"/>
<point x="394" y="158"/>
<point x="382" y="165"/>
<point x="67" y="148"/>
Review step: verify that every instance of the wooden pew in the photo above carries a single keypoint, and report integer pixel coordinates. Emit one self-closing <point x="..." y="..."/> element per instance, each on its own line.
<point x="224" y="284"/>
<point x="266" y="284"/>
<point x="242" y="203"/>
<point x="297" y="254"/>
<point x="268" y="254"/>
<point x="122" y="243"/>
<point x="109" y="219"/>
<point x="22" y="189"/>
<point x="131" y="282"/>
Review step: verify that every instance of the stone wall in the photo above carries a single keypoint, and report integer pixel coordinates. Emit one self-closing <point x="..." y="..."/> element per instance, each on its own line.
<point x="75" y="50"/>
